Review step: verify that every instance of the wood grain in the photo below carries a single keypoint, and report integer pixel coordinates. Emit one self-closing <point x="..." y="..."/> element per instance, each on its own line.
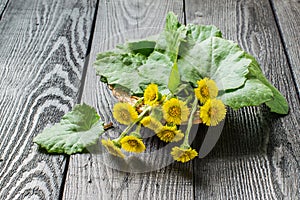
<point x="88" y="177"/>
<point x="3" y="6"/>
<point x="257" y="156"/>
<point x="287" y="13"/>
<point x="42" y="53"/>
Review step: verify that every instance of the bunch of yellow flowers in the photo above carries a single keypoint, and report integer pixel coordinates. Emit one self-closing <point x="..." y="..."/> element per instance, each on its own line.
<point x="163" y="114"/>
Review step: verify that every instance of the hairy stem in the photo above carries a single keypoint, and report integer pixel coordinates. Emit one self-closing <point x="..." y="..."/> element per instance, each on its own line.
<point x="129" y="127"/>
<point x="190" y="123"/>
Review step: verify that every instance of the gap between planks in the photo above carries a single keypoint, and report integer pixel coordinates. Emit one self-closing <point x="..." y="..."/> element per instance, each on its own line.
<point x="81" y="88"/>
<point x="42" y="55"/>
<point x="287" y="27"/>
<point x="3" y="7"/>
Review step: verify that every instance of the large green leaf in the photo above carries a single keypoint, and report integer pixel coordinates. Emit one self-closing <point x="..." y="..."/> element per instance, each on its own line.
<point x="216" y="58"/>
<point x="196" y="34"/>
<point x="134" y="71"/>
<point x="77" y="130"/>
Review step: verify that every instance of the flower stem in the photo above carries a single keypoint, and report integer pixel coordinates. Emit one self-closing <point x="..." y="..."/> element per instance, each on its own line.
<point x="138" y="128"/>
<point x="190" y="123"/>
<point x="138" y="102"/>
<point x="129" y="127"/>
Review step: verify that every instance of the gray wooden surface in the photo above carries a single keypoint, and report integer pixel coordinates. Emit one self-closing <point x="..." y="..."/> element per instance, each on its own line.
<point x="42" y="54"/>
<point x="258" y="153"/>
<point x="3" y="6"/>
<point x="44" y="49"/>
<point x="287" y="14"/>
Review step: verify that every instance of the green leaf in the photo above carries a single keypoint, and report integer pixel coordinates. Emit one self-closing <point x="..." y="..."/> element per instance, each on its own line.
<point x="216" y="58"/>
<point x="196" y="34"/>
<point x="199" y="33"/>
<point x="77" y="130"/>
<point x="143" y="47"/>
<point x="120" y="69"/>
<point x="278" y="103"/>
<point x="171" y="37"/>
<point x="174" y="79"/>
<point x="132" y="71"/>
<point x="253" y="93"/>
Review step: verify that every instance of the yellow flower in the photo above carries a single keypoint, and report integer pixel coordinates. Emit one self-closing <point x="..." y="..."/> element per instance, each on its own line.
<point x="175" y="111"/>
<point x="207" y="89"/>
<point x="183" y="154"/>
<point x="124" y="113"/>
<point x="132" y="144"/>
<point x="169" y="134"/>
<point x="151" y="123"/>
<point x="212" y="112"/>
<point x="151" y="94"/>
<point x="112" y="148"/>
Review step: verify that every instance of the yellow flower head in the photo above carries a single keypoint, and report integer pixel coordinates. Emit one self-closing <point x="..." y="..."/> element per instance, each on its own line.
<point x="124" y="113"/>
<point x="169" y="134"/>
<point x="112" y="148"/>
<point x="151" y="94"/>
<point x="207" y="89"/>
<point x="212" y="112"/>
<point x="175" y="111"/>
<point x="183" y="155"/>
<point x="151" y="123"/>
<point x="132" y="144"/>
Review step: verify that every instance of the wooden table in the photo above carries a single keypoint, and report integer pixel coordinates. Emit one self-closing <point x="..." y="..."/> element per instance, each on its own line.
<point x="47" y="49"/>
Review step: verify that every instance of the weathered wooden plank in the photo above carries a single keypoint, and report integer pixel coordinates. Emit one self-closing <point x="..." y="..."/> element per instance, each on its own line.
<point x="257" y="156"/>
<point x="3" y="5"/>
<point x="42" y="53"/>
<point x="88" y="177"/>
<point x="287" y="13"/>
